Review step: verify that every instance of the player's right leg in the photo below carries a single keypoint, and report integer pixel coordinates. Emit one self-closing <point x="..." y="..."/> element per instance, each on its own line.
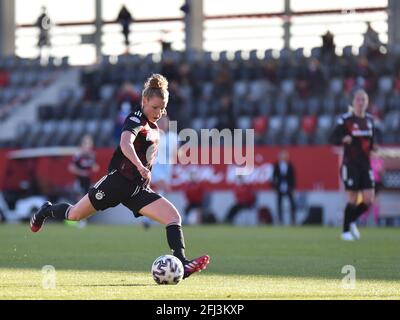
<point x="77" y="212"/>
<point x="163" y="211"/>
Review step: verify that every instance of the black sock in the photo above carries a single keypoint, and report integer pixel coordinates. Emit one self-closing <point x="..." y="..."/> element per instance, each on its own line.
<point x="176" y="241"/>
<point x="348" y="216"/>
<point x="60" y="211"/>
<point x="359" y="210"/>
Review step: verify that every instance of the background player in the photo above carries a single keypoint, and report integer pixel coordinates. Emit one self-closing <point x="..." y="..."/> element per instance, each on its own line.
<point x="83" y="164"/>
<point x="284" y="182"/>
<point x="128" y="180"/>
<point x="355" y="131"/>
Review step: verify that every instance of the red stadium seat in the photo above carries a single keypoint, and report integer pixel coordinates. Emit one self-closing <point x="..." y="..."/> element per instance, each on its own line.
<point x="4" y="78"/>
<point x="260" y="125"/>
<point x="349" y="84"/>
<point x="309" y="124"/>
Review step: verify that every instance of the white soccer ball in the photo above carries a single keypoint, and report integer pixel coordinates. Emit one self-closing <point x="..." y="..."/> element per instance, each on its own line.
<point x="167" y="269"/>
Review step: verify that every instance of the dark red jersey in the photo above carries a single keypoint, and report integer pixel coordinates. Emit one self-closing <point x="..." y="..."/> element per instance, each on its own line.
<point x="362" y="132"/>
<point x="244" y="195"/>
<point x="84" y="161"/>
<point x="145" y="145"/>
<point x="195" y="193"/>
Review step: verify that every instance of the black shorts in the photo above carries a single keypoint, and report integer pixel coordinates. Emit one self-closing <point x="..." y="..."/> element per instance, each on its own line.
<point x="113" y="189"/>
<point x="355" y="178"/>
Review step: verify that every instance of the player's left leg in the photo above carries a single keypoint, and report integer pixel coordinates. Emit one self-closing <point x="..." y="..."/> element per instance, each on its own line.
<point x="367" y="189"/>
<point x="233" y="212"/>
<point x="164" y="212"/>
<point x="364" y="218"/>
<point x="367" y="200"/>
<point x="107" y="192"/>
<point x="81" y="210"/>
<point x="360" y="209"/>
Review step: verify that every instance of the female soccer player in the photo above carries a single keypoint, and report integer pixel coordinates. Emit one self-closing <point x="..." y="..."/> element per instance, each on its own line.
<point x="83" y="164"/>
<point x="128" y="180"/>
<point x="355" y="131"/>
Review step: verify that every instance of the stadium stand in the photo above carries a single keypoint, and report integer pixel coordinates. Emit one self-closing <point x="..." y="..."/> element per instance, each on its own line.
<point x="20" y="80"/>
<point x="290" y="99"/>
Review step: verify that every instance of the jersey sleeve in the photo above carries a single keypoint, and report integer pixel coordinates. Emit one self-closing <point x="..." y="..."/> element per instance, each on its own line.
<point x="338" y="133"/>
<point x="133" y="124"/>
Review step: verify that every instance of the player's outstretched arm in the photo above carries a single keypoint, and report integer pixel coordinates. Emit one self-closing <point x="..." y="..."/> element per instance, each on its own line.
<point x="126" y="143"/>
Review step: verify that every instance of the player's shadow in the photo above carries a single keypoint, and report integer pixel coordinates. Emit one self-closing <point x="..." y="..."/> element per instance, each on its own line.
<point x="114" y="285"/>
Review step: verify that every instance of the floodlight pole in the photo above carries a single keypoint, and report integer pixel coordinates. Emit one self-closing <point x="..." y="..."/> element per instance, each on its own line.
<point x="287" y="24"/>
<point x="393" y="22"/>
<point x="194" y="19"/>
<point x="98" y="32"/>
<point x="7" y="27"/>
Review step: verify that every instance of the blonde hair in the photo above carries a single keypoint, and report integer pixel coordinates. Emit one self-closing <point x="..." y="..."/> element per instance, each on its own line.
<point x="358" y="91"/>
<point x="355" y="93"/>
<point x="156" y="85"/>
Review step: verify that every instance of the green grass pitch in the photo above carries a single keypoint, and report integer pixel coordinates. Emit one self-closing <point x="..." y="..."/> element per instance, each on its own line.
<point x="113" y="262"/>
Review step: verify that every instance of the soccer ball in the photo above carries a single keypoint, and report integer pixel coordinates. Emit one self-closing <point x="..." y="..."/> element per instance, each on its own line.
<point x="167" y="269"/>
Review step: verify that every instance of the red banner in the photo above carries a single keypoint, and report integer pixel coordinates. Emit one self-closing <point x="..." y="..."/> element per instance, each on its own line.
<point x="315" y="168"/>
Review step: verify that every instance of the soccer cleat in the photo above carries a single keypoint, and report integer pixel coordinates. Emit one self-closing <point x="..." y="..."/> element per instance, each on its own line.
<point x="354" y="231"/>
<point x="347" y="236"/>
<point x="39" y="217"/>
<point x="195" y="265"/>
